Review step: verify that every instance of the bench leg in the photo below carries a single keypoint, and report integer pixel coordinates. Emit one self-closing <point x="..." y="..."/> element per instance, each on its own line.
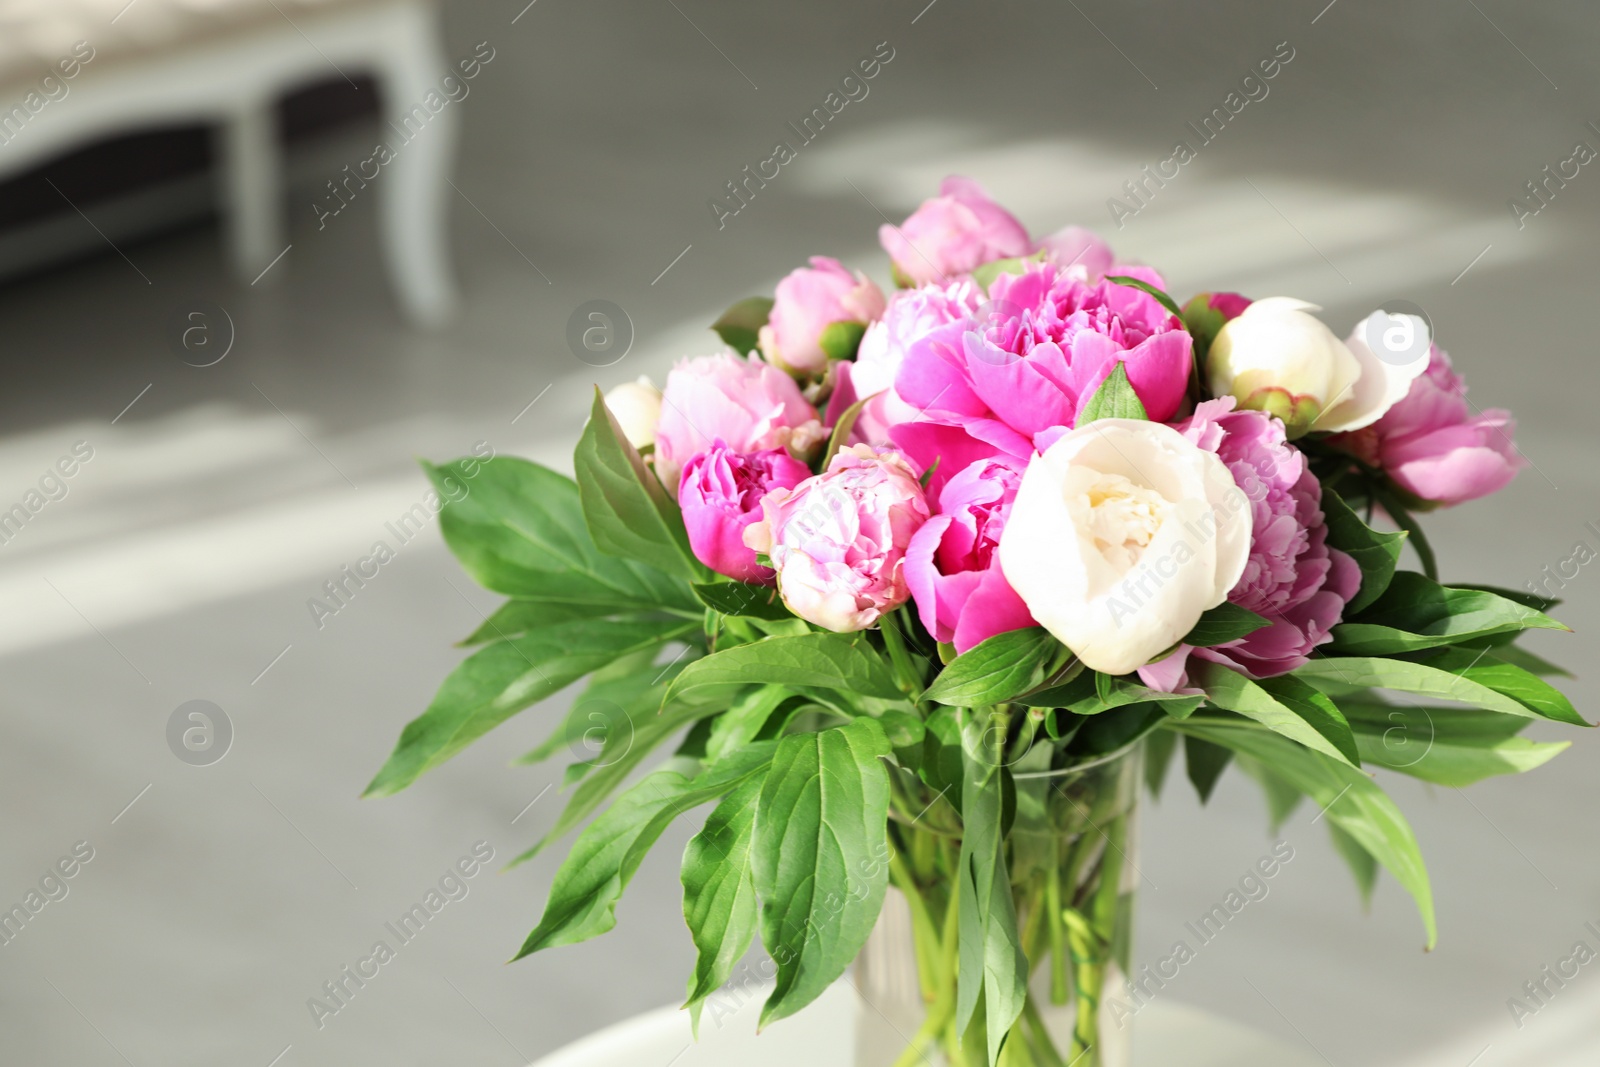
<point x="413" y="202"/>
<point x="251" y="189"/>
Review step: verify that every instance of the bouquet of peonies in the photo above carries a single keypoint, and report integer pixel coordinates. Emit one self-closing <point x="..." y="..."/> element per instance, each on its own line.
<point x="921" y="590"/>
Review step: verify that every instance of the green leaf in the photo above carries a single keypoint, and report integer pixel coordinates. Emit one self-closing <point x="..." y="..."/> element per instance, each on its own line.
<point x="744" y="720"/>
<point x="1375" y="553"/>
<point x="630" y="734"/>
<point x="1161" y="298"/>
<point x="1159" y="749"/>
<point x="501" y="679"/>
<point x="624" y="682"/>
<point x="583" y="898"/>
<point x="1285" y="704"/>
<point x="1079" y="690"/>
<point x="520" y="531"/>
<point x="1223" y="623"/>
<point x="629" y="512"/>
<point x="998" y="669"/>
<point x="1349" y="799"/>
<point x="1115" y="399"/>
<point x="842" y="430"/>
<point x="517" y="616"/>
<point x="1361" y="862"/>
<point x="742" y="598"/>
<point x="1416" y="612"/>
<point x="941" y="766"/>
<point x="1520" y="596"/>
<point x="719" y="892"/>
<point x="1100" y="735"/>
<point x="840" y="340"/>
<point x="1447" y="746"/>
<point x="740" y="326"/>
<point x="1464" y="675"/>
<point x="825" y="660"/>
<point x="986" y="273"/>
<point x="1204" y="762"/>
<point x="1529" y="662"/>
<point x="1282" y="797"/>
<point x="1397" y="510"/>
<point x="1092" y="693"/>
<point x="990" y="960"/>
<point x="820" y="857"/>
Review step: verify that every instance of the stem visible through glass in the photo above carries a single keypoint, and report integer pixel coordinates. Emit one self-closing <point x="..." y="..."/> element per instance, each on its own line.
<point x="1066" y="851"/>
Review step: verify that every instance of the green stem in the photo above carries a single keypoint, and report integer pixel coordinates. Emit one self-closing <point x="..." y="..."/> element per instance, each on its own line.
<point x="1091" y="936"/>
<point x="1044" y="1046"/>
<point x="1057" y="932"/>
<point x="905" y="673"/>
<point x="1016" y="1052"/>
<point x="924" y="933"/>
<point x="938" y="1018"/>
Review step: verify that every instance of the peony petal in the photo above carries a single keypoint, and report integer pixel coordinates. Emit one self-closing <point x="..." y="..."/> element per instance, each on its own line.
<point x="992" y="607"/>
<point x="1381" y="383"/>
<point x="1019" y="389"/>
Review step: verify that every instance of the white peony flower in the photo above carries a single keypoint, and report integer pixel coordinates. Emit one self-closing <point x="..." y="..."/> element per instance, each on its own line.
<point x="1122" y="534"/>
<point x="1393" y="352"/>
<point x="637" y="408"/>
<point x="1278" y="358"/>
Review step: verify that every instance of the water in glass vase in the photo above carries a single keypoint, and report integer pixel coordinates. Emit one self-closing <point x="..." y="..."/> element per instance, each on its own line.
<point x="1068" y="848"/>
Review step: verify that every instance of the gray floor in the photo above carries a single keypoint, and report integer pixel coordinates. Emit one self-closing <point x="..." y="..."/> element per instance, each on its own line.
<point x="180" y="563"/>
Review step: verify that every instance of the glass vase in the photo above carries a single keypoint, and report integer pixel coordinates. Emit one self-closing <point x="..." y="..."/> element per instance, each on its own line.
<point x="1068" y="851"/>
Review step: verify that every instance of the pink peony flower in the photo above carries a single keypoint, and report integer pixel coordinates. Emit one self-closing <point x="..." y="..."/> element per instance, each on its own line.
<point x="911" y="315"/>
<point x="838" y="539"/>
<point x="1431" y="444"/>
<point x="1075" y="246"/>
<point x="1292" y="576"/>
<point x="721" y="494"/>
<point x="951" y="234"/>
<point x="807" y="302"/>
<point x="953" y="562"/>
<point x="749" y="405"/>
<point x="1016" y="381"/>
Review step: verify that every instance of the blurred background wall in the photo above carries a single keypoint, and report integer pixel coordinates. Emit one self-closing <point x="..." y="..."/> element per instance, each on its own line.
<point x="219" y="499"/>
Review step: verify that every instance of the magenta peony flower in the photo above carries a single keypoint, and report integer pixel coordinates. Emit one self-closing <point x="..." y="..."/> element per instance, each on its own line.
<point x="1016" y="381"/>
<point x="838" y="539"/>
<point x="951" y="234"/>
<point x="807" y="302"/>
<point x="1432" y="446"/>
<point x="749" y="405"/>
<point x="953" y="563"/>
<point x="1231" y="305"/>
<point x="721" y="494"/>
<point x="1292" y="577"/>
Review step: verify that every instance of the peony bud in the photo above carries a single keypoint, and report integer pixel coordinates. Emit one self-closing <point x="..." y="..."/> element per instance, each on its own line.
<point x="838" y="540"/>
<point x="1074" y="246"/>
<point x="637" y="408"/>
<point x="806" y="303"/>
<point x="721" y="495"/>
<point x="951" y="234"/>
<point x="1274" y="357"/>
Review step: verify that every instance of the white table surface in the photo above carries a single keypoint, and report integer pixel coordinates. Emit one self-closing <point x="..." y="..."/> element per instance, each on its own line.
<point x="1166" y="1034"/>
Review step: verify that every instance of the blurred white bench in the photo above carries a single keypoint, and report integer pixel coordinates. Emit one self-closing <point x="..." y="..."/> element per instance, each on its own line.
<point x="226" y="63"/>
<point x="1167" y="1034"/>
